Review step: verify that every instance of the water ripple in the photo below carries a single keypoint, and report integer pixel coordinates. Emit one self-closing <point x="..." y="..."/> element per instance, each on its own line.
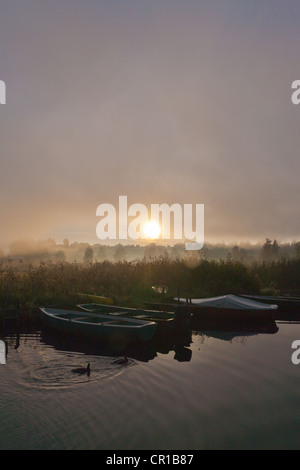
<point x="43" y="367"/>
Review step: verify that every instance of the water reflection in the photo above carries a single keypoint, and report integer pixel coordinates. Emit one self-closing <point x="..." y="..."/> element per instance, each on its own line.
<point x="182" y="354"/>
<point x="143" y="352"/>
<point x="46" y="405"/>
<point x="45" y="359"/>
<point x="232" y="331"/>
<point x="178" y="341"/>
<point x="164" y="343"/>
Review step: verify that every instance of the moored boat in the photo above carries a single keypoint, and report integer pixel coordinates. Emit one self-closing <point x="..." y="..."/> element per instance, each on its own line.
<point x="96" y="326"/>
<point x="230" y="307"/>
<point x="285" y="303"/>
<point x="163" y="319"/>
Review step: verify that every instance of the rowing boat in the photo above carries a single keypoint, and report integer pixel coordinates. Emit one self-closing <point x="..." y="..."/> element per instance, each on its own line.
<point x="95" y="325"/>
<point x="163" y="319"/>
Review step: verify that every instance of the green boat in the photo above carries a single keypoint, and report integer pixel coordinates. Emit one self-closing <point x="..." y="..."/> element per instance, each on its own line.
<point x="162" y="319"/>
<point x="94" y="325"/>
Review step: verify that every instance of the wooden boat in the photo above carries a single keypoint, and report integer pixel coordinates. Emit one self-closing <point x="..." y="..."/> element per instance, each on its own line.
<point x="97" y="326"/>
<point x="163" y="319"/>
<point x="230" y="307"/>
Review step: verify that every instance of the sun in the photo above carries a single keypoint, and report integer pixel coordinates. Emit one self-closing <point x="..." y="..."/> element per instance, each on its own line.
<point x="151" y="229"/>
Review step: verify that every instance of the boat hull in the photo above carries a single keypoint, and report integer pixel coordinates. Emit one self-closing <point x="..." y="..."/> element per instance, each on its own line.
<point x="230" y="314"/>
<point x="285" y="304"/>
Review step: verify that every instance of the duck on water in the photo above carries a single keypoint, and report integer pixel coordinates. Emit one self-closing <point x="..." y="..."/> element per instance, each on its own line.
<point x="82" y="370"/>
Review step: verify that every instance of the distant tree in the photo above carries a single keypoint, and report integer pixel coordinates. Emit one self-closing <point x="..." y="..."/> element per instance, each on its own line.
<point x="66" y="243"/>
<point x="101" y="253"/>
<point x="151" y="251"/>
<point x="266" y="250"/>
<point x="235" y="253"/>
<point x="120" y="253"/>
<point x="60" y="256"/>
<point x="275" y="249"/>
<point x="21" y="247"/>
<point x="88" y="255"/>
<point x="51" y="243"/>
<point x="297" y="249"/>
<point x="270" y="251"/>
<point x="178" y="250"/>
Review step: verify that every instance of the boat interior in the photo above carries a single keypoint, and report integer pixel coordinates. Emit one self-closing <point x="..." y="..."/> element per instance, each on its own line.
<point x="94" y="319"/>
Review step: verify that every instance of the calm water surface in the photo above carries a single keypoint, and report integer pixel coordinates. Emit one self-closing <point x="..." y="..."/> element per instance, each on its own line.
<point x="209" y="390"/>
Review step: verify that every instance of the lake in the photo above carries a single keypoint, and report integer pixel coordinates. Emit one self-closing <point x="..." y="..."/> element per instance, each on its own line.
<point x="204" y="389"/>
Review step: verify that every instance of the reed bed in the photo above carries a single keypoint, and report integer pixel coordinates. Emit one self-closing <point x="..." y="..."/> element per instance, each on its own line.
<point x="130" y="283"/>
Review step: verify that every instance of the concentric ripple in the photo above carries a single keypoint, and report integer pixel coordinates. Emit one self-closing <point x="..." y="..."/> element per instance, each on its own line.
<point x="43" y="367"/>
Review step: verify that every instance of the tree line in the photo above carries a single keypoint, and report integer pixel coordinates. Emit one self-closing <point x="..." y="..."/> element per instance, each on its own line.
<point x="48" y="251"/>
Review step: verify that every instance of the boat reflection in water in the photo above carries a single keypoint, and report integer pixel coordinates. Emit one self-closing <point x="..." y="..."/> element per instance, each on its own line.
<point x="162" y="343"/>
<point x="229" y="329"/>
<point x="178" y="340"/>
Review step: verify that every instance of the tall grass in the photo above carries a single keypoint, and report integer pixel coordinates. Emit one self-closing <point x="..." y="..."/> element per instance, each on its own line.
<point x="130" y="283"/>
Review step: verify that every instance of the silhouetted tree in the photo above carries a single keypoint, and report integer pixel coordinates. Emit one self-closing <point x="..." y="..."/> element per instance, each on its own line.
<point x="297" y="249"/>
<point x="88" y="255"/>
<point x="270" y="251"/>
<point x="275" y="249"/>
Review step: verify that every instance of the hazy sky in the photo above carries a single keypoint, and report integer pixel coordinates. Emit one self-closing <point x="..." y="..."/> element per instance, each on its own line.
<point x="160" y="100"/>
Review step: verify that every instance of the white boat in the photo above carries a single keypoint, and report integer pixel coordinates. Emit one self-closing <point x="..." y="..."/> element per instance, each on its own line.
<point x="230" y="306"/>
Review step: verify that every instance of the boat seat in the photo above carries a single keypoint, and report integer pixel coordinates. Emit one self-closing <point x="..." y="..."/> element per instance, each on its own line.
<point x="78" y="318"/>
<point x="118" y="313"/>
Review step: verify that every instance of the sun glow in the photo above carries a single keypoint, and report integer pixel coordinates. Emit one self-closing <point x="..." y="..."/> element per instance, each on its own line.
<point x="152" y="229"/>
